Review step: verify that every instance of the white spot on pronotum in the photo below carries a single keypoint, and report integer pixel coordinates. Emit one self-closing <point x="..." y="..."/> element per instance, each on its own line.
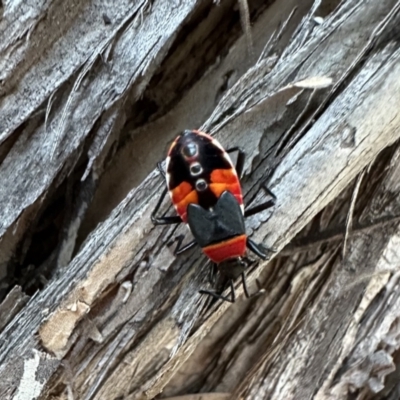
<point x="29" y="387"/>
<point x="195" y="169"/>
<point x="201" y="185"/>
<point x="190" y="150"/>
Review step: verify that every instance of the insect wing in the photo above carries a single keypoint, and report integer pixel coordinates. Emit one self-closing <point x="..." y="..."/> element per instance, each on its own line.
<point x="212" y="226"/>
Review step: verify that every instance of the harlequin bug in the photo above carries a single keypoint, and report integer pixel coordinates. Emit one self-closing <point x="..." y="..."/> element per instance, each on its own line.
<point x="205" y="190"/>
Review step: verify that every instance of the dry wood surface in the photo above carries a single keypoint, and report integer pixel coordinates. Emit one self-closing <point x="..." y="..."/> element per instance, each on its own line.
<point x="93" y="304"/>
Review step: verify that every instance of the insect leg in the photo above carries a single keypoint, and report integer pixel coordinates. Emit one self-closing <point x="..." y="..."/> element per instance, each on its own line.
<point x="233" y="294"/>
<point x="259" y="249"/>
<point x="212" y="273"/>
<point x="178" y="249"/>
<point x="245" y="289"/>
<point x="160" y="169"/>
<point x="163" y="220"/>
<point x="240" y="159"/>
<point x="259" y="292"/>
<point x="264" y="206"/>
<point x="217" y="296"/>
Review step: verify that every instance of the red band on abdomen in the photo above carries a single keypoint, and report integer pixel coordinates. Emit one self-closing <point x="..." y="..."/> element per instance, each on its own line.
<point x="232" y="248"/>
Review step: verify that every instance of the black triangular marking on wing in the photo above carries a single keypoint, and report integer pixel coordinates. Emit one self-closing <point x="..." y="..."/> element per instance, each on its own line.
<point x="229" y="211"/>
<point x="223" y="222"/>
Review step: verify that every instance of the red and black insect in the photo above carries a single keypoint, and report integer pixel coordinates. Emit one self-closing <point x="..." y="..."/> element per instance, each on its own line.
<point x="205" y="190"/>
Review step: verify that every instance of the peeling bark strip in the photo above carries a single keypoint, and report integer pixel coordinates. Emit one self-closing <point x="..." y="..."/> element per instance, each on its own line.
<point x="123" y="59"/>
<point x="29" y="387"/>
<point x="124" y="318"/>
<point x="11" y="305"/>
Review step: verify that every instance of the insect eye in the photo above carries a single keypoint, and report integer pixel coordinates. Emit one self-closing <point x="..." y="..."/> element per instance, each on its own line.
<point x="190" y="150"/>
<point x="201" y="185"/>
<point x="195" y="169"/>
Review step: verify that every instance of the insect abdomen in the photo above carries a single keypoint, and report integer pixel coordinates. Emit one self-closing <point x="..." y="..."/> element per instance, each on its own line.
<point x="222" y="251"/>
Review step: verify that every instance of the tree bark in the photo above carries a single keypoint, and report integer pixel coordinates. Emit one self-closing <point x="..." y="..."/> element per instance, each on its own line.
<point x="93" y="93"/>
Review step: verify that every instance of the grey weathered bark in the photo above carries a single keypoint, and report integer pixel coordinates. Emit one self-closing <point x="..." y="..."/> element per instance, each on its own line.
<point x="91" y="95"/>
